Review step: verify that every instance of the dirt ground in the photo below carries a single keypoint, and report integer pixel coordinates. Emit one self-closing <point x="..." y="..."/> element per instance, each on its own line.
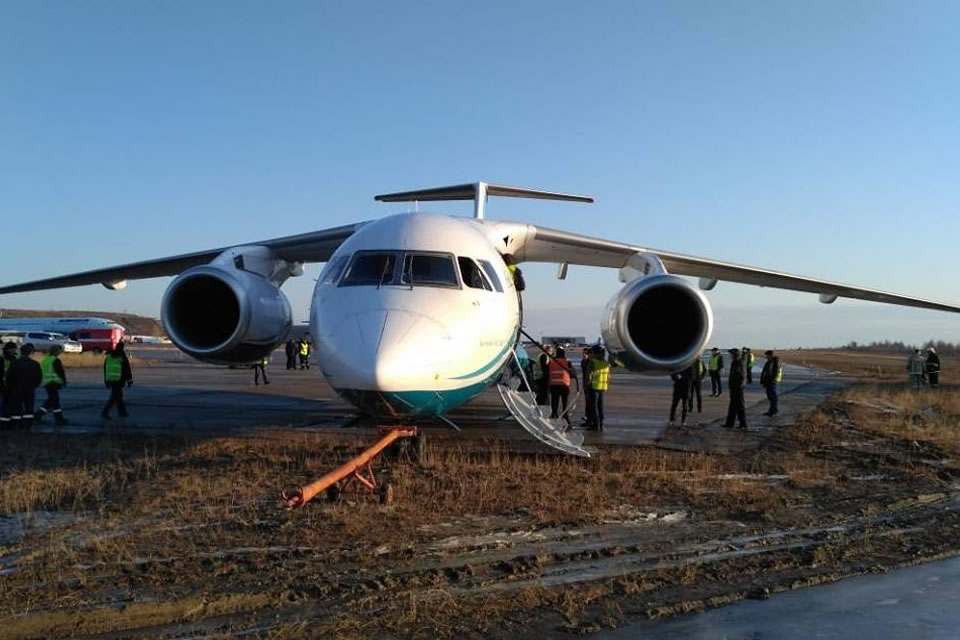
<point x="117" y="536"/>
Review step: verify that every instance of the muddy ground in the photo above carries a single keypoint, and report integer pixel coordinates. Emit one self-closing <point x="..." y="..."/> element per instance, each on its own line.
<point x="116" y="536"/>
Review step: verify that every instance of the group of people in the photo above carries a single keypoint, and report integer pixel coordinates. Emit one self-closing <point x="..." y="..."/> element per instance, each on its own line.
<point x="553" y="374"/>
<point x="687" y="383"/>
<point x="21" y="375"/>
<point x="924" y="371"/>
<point x="301" y="349"/>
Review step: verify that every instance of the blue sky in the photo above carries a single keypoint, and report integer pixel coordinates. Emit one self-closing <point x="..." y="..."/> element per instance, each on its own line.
<point x="817" y="137"/>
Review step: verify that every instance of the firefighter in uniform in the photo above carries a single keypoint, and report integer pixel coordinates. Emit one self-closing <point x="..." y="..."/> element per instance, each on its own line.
<point x="715" y="367"/>
<point x="736" y="383"/>
<point x="116" y="374"/>
<point x="696" y="380"/>
<point x="559" y="372"/>
<point x="770" y="378"/>
<point x="933" y="368"/>
<point x="304" y="348"/>
<point x="748" y="360"/>
<point x="260" y="367"/>
<point x="21" y="382"/>
<point x="9" y="357"/>
<point x="599" y="384"/>
<point x="54" y="379"/>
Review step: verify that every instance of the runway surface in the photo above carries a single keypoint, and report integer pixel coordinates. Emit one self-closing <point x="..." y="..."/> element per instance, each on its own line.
<point x="174" y="393"/>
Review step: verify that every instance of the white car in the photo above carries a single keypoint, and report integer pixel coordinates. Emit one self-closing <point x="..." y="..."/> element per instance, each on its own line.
<point x="43" y="340"/>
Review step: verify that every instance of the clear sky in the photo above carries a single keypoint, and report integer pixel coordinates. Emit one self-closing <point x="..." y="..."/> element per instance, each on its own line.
<point x="814" y="137"/>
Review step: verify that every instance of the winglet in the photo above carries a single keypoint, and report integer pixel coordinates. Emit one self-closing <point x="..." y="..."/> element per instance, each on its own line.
<point x="478" y="192"/>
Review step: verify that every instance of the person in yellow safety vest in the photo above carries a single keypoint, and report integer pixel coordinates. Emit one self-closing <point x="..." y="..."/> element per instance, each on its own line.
<point x="559" y="371"/>
<point x="260" y="367"/>
<point x="54" y="379"/>
<point x="715" y="367"/>
<point x="9" y="357"/>
<point x="599" y="383"/>
<point x="116" y="374"/>
<point x="770" y="378"/>
<point x="748" y="359"/>
<point x="304" y="348"/>
<point x="696" y="378"/>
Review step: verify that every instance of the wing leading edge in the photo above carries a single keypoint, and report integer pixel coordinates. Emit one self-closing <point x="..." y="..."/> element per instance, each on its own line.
<point x="316" y="246"/>
<point x="551" y="245"/>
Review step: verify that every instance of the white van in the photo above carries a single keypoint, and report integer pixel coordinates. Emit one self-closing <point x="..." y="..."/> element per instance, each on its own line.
<point x="43" y="340"/>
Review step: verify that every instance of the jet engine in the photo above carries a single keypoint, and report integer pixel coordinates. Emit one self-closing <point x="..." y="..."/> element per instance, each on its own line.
<point x="657" y="323"/>
<point x="225" y="315"/>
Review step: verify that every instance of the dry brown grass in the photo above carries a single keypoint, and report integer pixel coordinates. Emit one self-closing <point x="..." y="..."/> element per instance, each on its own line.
<point x="868" y="366"/>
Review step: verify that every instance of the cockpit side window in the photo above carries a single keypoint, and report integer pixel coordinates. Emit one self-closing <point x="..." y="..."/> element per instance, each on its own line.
<point x="492" y="274"/>
<point x="472" y="275"/>
<point x="332" y="272"/>
<point x="371" y="268"/>
<point x="428" y="269"/>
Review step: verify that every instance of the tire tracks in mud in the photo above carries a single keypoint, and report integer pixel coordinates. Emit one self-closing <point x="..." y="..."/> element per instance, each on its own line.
<point x="626" y="558"/>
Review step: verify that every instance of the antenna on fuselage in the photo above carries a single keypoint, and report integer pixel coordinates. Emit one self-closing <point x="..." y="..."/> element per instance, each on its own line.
<point x="478" y="192"/>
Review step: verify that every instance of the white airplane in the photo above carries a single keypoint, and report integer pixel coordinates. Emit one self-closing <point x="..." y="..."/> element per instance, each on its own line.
<point x="414" y="314"/>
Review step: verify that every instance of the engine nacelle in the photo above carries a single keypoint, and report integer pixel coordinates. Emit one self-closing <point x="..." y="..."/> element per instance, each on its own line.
<point x="657" y="323"/>
<point x="225" y="315"/>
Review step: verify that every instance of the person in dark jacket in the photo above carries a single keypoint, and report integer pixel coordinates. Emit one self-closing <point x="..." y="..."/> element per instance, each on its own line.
<point x="735" y="386"/>
<point x="588" y="397"/>
<point x="116" y="374"/>
<point x="681" y="392"/>
<point x="21" y="382"/>
<point x="291" y="352"/>
<point x="770" y="377"/>
<point x="933" y="368"/>
<point x="8" y="358"/>
<point x="54" y="379"/>
<point x="698" y="370"/>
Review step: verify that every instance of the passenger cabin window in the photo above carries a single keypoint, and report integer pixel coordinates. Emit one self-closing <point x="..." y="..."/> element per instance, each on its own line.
<point x="371" y="268"/>
<point x="332" y="272"/>
<point x="432" y="270"/>
<point x="492" y="274"/>
<point x="472" y="275"/>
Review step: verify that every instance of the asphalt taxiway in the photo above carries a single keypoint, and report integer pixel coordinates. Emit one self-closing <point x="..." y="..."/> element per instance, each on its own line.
<point x="175" y="394"/>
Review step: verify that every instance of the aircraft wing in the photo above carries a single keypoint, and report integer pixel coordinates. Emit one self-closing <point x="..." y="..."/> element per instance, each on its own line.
<point x="316" y="246"/>
<point x="551" y="245"/>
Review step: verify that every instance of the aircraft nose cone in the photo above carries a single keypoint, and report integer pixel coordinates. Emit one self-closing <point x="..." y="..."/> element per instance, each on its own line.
<point x="388" y="350"/>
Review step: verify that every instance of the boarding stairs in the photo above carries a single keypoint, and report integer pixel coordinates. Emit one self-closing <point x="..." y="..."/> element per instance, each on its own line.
<point x="525" y="410"/>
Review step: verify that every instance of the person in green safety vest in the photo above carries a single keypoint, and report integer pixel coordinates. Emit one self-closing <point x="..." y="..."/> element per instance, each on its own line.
<point x="599" y="384"/>
<point x="116" y="374"/>
<point x="748" y="359"/>
<point x="54" y="379"/>
<point x="8" y="358"/>
<point x="715" y="367"/>
<point x="260" y="367"/>
<point x="303" y="348"/>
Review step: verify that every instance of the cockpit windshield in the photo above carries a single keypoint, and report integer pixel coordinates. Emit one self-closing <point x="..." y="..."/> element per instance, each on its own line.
<point x="429" y="269"/>
<point x="371" y="268"/>
<point x="380" y="268"/>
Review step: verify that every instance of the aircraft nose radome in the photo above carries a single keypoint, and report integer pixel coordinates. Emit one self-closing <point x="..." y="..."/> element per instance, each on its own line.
<point x="413" y="348"/>
<point x="388" y="350"/>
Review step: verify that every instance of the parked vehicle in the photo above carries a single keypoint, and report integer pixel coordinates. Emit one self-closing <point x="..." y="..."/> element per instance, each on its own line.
<point x="43" y="340"/>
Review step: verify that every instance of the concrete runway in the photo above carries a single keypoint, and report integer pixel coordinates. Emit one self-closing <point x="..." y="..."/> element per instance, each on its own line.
<point x="177" y="394"/>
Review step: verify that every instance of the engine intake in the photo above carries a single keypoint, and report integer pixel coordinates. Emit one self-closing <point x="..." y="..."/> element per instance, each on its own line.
<point x="658" y="323"/>
<point x="224" y="315"/>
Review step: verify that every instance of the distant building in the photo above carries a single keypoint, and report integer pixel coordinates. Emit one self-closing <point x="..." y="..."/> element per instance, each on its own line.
<point x="563" y="340"/>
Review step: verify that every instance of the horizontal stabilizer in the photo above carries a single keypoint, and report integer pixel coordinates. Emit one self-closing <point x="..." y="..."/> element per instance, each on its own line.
<point x="478" y="192"/>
